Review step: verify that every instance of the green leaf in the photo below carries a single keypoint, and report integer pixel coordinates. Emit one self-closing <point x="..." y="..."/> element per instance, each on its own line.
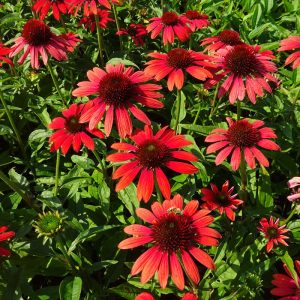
<point x="182" y="111"/>
<point x="258" y="30"/>
<point x="117" y="60"/>
<point x="70" y="288"/>
<point x="129" y="198"/>
<point x="126" y="291"/>
<point x="290" y="265"/>
<point x="83" y="162"/>
<point x="264" y="191"/>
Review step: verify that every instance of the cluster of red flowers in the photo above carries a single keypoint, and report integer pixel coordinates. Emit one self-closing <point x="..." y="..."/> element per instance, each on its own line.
<point x="175" y="232"/>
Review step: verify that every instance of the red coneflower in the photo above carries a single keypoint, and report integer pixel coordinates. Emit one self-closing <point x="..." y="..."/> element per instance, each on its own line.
<point x="72" y="40"/>
<point x="150" y="154"/>
<point x="69" y="132"/>
<point x="174" y="232"/>
<point x="136" y="31"/>
<point x="291" y="43"/>
<point x="42" y="7"/>
<point x="196" y="20"/>
<point x="286" y="286"/>
<point x="90" y="21"/>
<point x="4" y="236"/>
<point x="144" y="296"/>
<point x="173" y="63"/>
<point x="89" y="6"/>
<point x="222" y="200"/>
<point x="242" y="138"/>
<point x="246" y="69"/>
<point x="37" y="39"/>
<point x="3" y="52"/>
<point x="189" y="296"/>
<point x="117" y="89"/>
<point x="272" y="232"/>
<point x="225" y="38"/>
<point x="170" y="24"/>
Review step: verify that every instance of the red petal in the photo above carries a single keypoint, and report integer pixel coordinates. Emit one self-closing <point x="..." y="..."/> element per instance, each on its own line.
<point x="202" y="257"/>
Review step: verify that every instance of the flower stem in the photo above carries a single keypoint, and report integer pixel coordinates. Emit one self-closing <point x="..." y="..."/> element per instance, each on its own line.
<point x="103" y="168"/>
<point x="57" y="172"/>
<point x="290" y="215"/>
<point x="213" y="103"/>
<point x="117" y="24"/>
<point x="61" y="247"/>
<point x="178" y="111"/>
<point x="25" y="196"/>
<point x="54" y="79"/>
<point x="13" y="125"/>
<point x="238" y="110"/>
<point x="99" y="37"/>
<point x="158" y="192"/>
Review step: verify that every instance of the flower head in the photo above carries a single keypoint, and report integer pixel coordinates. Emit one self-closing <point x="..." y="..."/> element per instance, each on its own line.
<point x="175" y="62"/>
<point x="89" y="6"/>
<point x="222" y="200"/>
<point x="37" y="39"/>
<point x="69" y="132"/>
<point x="174" y="232"/>
<point x="286" y="286"/>
<point x="4" y="236"/>
<point x="117" y="89"/>
<point x="242" y="138"/>
<point x="196" y="20"/>
<point x="144" y="296"/>
<point x="291" y="43"/>
<point x="90" y="22"/>
<point x="150" y="155"/>
<point x="136" y="31"/>
<point x="3" y="52"/>
<point x="246" y="70"/>
<point x="294" y="185"/>
<point x="49" y="224"/>
<point x="272" y="232"/>
<point x="225" y="38"/>
<point x="42" y="7"/>
<point x="189" y="296"/>
<point x="170" y="24"/>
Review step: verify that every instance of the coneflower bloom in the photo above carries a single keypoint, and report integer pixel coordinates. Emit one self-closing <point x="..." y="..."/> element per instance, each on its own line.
<point x="174" y="232"/>
<point x="196" y="20"/>
<point x="273" y="233"/>
<point x="246" y="70"/>
<point x="242" y="138"/>
<point x="89" y="6"/>
<point x="69" y="132"/>
<point x="144" y="296"/>
<point x="72" y="40"/>
<point x="42" y="7"/>
<point x="150" y="155"/>
<point x="294" y="185"/>
<point x="90" y="21"/>
<point x="189" y="296"/>
<point x="221" y="200"/>
<point x="4" y="236"/>
<point x="117" y="90"/>
<point x="285" y="286"/>
<point x="175" y="62"/>
<point x="225" y="38"/>
<point x="291" y="43"/>
<point x="136" y="31"/>
<point x="37" y="39"/>
<point x="171" y="25"/>
<point x="3" y="52"/>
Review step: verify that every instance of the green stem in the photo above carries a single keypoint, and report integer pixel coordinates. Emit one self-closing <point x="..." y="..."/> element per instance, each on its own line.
<point x="117" y="24"/>
<point x="238" y="110"/>
<point x="243" y="174"/>
<point x="99" y="38"/>
<point x="103" y="168"/>
<point x="213" y="104"/>
<point x="13" y="125"/>
<point x="290" y="215"/>
<point x="61" y="247"/>
<point x="25" y="196"/>
<point x="54" y="79"/>
<point x="158" y="192"/>
<point x="162" y="5"/>
<point x="178" y="111"/>
<point x="57" y="172"/>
